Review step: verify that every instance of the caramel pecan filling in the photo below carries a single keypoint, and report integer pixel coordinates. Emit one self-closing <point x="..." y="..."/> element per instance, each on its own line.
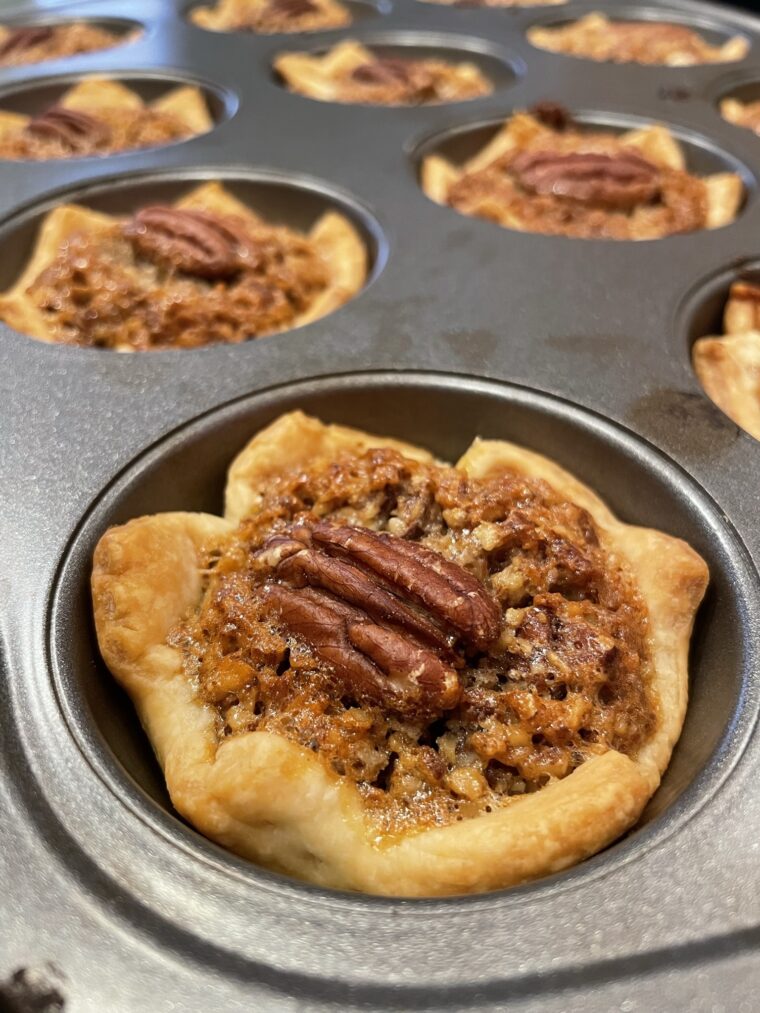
<point x="36" y="43"/>
<point x="583" y="184"/>
<point x="178" y="278"/>
<point x="60" y="132"/>
<point x="269" y="16"/>
<point x="444" y="643"/>
<point x="395" y="81"/>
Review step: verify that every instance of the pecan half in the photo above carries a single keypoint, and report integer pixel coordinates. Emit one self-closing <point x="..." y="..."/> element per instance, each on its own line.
<point x="612" y="181"/>
<point x="75" y="129"/>
<point x="383" y="70"/>
<point x="292" y="8"/>
<point x="25" y="38"/>
<point x="385" y="613"/>
<point x="193" y="242"/>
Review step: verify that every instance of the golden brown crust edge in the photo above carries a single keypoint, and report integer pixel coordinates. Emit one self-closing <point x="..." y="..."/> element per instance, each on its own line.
<point x="272" y="801"/>
<point x="729" y="370"/>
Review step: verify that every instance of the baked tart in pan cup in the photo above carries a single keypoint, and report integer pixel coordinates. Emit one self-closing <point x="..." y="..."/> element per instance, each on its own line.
<point x="543" y="173"/>
<point x="28" y="44"/>
<point x="99" y="116"/>
<point x="741" y="114"/>
<point x="382" y="673"/>
<point x="204" y="270"/>
<point x="350" y="72"/>
<point x="271" y="17"/>
<point x="728" y="367"/>
<point x="596" y="37"/>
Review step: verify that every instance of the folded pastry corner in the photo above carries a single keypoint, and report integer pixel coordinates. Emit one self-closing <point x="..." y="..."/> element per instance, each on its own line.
<point x="741" y="114"/>
<point x="728" y="367"/>
<point x="205" y="270"/>
<point x="101" y="116"/>
<point x="597" y="37"/>
<point x="542" y="173"/>
<point x="352" y="73"/>
<point x="383" y="673"/>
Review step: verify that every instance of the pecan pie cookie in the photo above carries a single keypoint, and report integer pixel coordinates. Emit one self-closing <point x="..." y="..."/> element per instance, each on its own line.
<point x="741" y="114"/>
<point x="268" y="17"/>
<point x="99" y="117"/>
<point x="380" y="672"/>
<point x="349" y="72"/>
<point x="205" y="270"/>
<point x="728" y="367"/>
<point x="37" y="43"/>
<point x="596" y="37"/>
<point x="542" y="173"/>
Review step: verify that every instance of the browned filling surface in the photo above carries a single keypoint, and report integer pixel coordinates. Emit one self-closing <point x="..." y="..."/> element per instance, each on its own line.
<point x="273" y="16"/>
<point x="648" y="42"/>
<point x="443" y="643"/>
<point x="66" y="133"/>
<point x="36" y="43"/>
<point x="584" y="184"/>
<point x="397" y="81"/>
<point x="179" y="279"/>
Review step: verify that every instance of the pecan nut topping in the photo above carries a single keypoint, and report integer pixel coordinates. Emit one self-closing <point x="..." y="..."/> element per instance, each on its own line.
<point x="75" y="129"/>
<point x="619" y="181"/>
<point x="193" y="242"/>
<point x="385" y="613"/>
<point x="381" y="71"/>
<point x="292" y="8"/>
<point x="25" y="38"/>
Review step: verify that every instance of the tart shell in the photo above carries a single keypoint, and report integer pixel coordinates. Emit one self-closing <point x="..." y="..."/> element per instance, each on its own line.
<point x="273" y="801"/>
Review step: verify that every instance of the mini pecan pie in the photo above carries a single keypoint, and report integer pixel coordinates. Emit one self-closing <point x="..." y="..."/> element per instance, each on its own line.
<point x="99" y="117"/>
<point x="349" y="72"/>
<point x="728" y="367"/>
<point x="37" y="43"/>
<point x="541" y="173"/>
<point x="383" y="673"/>
<point x="498" y="3"/>
<point x="268" y="17"/>
<point x="596" y="37"/>
<point x="741" y="114"/>
<point x="206" y="270"/>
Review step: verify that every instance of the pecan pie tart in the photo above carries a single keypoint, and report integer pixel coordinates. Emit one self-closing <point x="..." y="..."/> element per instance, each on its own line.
<point x="741" y="114"/>
<point x="728" y="367"/>
<point x="100" y="117"/>
<point x="349" y="72"/>
<point x="383" y="673"/>
<point x="596" y="37"/>
<point x="542" y="173"/>
<point x="269" y="17"/>
<point x="37" y="43"/>
<point x="203" y="271"/>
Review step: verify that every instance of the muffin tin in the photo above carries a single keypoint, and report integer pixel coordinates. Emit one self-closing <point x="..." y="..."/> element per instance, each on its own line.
<point x="579" y="349"/>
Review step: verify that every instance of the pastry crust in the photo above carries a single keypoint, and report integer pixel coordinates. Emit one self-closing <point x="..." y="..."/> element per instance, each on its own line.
<point x="102" y="95"/>
<point x="235" y="15"/>
<point x="333" y="235"/>
<point x="724" y="190"/>
<point x="324" y="77"/>
<point x="591" y="38"/>
<point x="272" y="800"/>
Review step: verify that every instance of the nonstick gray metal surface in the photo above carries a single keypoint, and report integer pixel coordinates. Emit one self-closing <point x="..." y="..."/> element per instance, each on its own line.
<point x="578" y="349"/>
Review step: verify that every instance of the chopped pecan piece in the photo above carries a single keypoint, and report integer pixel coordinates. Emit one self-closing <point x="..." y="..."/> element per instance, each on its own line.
<point x="383" y="612"/>
<point x="382" y="71"/>
<point x="292" y="8"/>
<point x="25" y="38"/>
<point x="552" y="115"/>
<point x="75" y="129"/>
<point x="613" y="181"/>
<point x="193" y="242"/>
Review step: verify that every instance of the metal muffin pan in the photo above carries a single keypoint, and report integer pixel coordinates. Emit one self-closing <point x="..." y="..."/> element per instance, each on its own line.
<point x="578" y="349"/>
